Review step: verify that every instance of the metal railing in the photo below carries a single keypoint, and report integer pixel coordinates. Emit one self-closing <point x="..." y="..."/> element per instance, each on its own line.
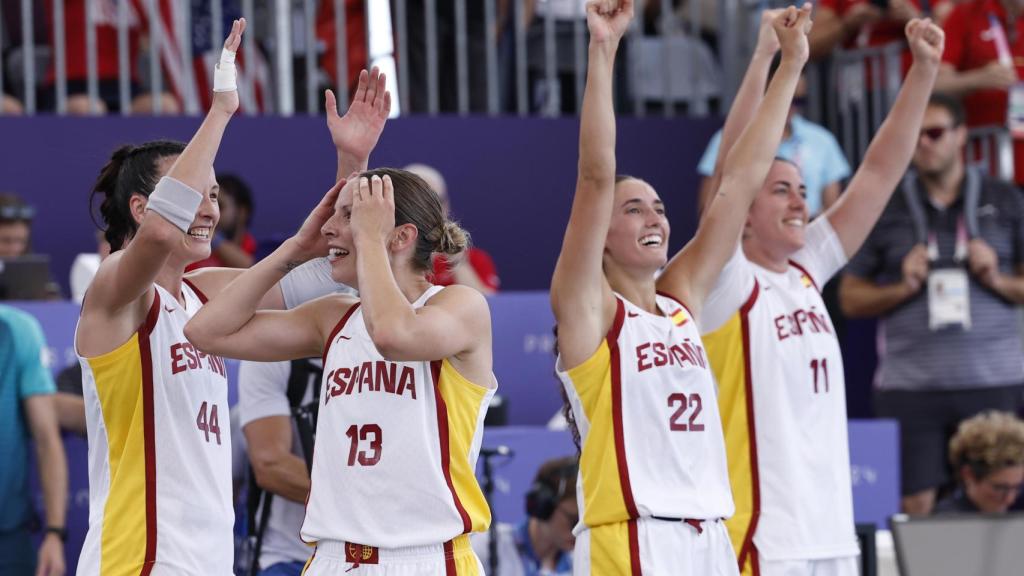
<point x="991" y="148"/>
<point x="443" y="56"/>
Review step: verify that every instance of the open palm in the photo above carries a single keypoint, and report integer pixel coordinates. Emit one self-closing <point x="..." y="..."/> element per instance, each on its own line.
<point x="608" y="20"/>
<point x="356" y="133"/>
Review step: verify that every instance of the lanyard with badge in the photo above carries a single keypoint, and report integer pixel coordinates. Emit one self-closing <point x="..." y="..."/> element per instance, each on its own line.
<point x="948" y="287"/>
<point x="1015" y="96"/>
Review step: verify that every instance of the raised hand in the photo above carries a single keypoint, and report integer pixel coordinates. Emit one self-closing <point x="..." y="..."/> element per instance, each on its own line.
<point x="356" y="133"/>
<point x="373" y="210"/>
<point x="226" y="100"/>
<point x="926" y="41"/>
<point x="309" y="239"/>
<point x="608" y="20"/>
<point x="792" y="27"/>
<point x="767" y="40"/>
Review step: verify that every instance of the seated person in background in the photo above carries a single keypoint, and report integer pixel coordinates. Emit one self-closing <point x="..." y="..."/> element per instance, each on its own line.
<point x="543" y="542"/>
<point x="233" y="246"/>
<point x="987" y="454"/>
<point x="15" y="226"/>
<point x="476" y="269"/>
<point x="84" y="268"/>
<point x="808" y="145"/>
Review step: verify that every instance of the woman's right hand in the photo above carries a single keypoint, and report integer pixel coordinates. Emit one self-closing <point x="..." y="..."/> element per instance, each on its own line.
<point x="227" y="101"/>
<point x="309" y="240"/>
<point x="792" y="27"/>
<point x="608" y="20"/>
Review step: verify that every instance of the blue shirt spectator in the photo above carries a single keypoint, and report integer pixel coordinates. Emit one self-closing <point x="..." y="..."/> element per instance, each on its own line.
<point x="811" y="147"/>
<point x="26" y="406"/>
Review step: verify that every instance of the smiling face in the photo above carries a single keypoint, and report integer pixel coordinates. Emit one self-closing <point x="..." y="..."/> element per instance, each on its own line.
<point x="638" y="234"/>
<point x="197" y="241"/>
<point x="338" y="231"/>
<point x="778" y="216"/>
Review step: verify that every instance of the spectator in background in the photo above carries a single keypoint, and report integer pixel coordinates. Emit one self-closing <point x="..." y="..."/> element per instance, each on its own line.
<point x="861" y="23"/>
<point x="944" y="269"/>
<point x="355" y="40"/>
<point x="15" y="226"/>
<point x="26" y="409"/>
<point x="987" y="455"/>
<point x="105" y="14"/>
<point x="84" y="268"/>
<point x="543" y="543"/>
<point x="809" y="146"/>
<point x="233" y="246"/>
<point x="271" y="397"/>
<point x="983" y="69"/>
<point x="476" y="268"/>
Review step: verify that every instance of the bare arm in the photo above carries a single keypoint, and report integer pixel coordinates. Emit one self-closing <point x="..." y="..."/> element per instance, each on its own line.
<point x="860" y="298"/>
<point x="355" y="134"/>
<point x="53" y="474"/>
<point x="277" y="470"/>
<point x="70" y="412"/>
<point x="454" y="323"/>
<point x="581" y="298"/>
<point x="229" y="324"/>
<point x="889" y="154"/>
<point x="691" y="274"/>
<point x="748" y="99"/>
<point x="993" y="76"/>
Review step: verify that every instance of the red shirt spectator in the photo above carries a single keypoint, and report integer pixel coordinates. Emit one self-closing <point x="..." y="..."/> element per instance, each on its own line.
<point x="106" y="39"/>
<point x="970" y="65"/>
<point x="477" y="259"/>
<point x="355" y="33"/>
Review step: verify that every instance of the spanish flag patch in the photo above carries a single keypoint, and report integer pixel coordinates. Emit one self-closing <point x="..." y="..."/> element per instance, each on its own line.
<point x="806" y="280"/>
<point x="679" y="317"/>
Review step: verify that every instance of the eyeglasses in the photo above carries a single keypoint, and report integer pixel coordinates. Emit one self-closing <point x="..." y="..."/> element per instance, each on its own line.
<point x="1004" y="489"/>
<point x="935" y="133"/>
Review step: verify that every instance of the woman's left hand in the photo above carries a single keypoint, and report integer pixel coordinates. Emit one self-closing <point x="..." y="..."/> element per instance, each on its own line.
<point x="373" y="210"/>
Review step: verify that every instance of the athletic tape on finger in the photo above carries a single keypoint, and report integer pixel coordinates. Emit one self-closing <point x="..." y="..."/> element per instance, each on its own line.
<point x="225" y="75"/>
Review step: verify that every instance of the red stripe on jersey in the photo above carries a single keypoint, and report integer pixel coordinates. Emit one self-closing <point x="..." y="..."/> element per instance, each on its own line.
<point x="199" y="293"/>
<point x="148" y="432"/>
<point x="814" y="283"/>
<point x="677" y="301"/>
<point x="337" y="328"/>
<point x="748" y="538"/>
<point x="620" y="446"/>
<point x="442" y="433"/>
<point x="450" y="569"/>
<point x="634" y="548"/>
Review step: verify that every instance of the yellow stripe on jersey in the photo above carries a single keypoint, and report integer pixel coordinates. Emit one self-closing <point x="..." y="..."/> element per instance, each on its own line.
<point x="603" y="500"/>
<point x="118" y="376"/>
<point x="465" y="560"/>
<point x="463" y="400"/>
<point x="726" y="352"/>
<point x="609" y="550"/>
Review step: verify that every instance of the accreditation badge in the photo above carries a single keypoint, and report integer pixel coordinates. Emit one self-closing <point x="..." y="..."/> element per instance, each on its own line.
<point x="948" y="298"/>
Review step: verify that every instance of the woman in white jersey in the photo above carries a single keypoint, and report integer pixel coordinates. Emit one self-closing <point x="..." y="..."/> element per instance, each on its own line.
<point x="156" y="407"/>
<point x="775" y="354"/>
<point x="407" y="378"/>
<point x="653" y="484"/>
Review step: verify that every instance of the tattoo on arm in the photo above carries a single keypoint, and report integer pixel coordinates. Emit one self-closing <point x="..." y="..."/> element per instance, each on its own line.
<point x="291" y="265"/>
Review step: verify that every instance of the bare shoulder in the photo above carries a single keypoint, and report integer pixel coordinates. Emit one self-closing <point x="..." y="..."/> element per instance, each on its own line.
<point x="461" y="298"/>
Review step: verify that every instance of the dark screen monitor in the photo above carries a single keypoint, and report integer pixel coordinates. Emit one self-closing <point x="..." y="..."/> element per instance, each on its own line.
<point x="24" y="277"/>
<point x="959" y="544"/>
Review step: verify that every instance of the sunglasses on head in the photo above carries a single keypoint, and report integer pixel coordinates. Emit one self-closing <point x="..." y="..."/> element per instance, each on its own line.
<point x="936" y="132"/>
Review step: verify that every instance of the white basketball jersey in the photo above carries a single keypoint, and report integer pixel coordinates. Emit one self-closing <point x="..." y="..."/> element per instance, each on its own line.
<point x="159" y="452"/>
<point x="396" y="446"/>
<point x="645" y="407"/>
<point x="783" y="400"/>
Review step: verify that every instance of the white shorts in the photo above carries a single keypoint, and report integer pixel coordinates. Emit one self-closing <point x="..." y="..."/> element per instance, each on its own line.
<point x="453" y="558"/>
<point x="652" y="547"/>
<point x="847" y="566"/>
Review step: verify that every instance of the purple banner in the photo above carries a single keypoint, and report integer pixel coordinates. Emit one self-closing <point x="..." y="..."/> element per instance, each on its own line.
<point x="510" y="180"/>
